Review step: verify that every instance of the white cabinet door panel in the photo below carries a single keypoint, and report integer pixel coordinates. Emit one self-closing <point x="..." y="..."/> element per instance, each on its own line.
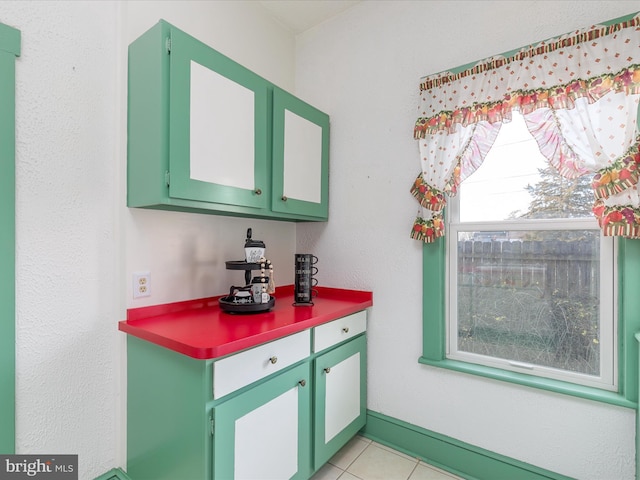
<point x="263" y="432"/>
<point x="222" y="141"/>
<point x="302" y="158"/>
<point x="342" y="396"/>
<point x="266" y="444"/>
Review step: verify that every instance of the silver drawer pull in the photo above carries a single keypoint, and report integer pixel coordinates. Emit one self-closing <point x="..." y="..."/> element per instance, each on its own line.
<point x="345" y="329"/>
<point x="273" y="360"/>
<point x="302" y="383"/>
<point x="327" y="370"/>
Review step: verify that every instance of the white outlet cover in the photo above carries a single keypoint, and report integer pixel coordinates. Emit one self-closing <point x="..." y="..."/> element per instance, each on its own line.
<point x="141" y="284"/>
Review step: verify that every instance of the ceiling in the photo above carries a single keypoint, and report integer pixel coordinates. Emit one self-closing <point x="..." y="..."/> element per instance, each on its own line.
<point x="300" y="15"/>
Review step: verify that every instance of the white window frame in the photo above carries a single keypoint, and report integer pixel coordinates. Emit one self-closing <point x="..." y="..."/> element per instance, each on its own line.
<point x="608" y="378"/>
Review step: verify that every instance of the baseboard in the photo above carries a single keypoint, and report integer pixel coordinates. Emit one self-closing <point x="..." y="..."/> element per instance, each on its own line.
<point x="459" y="458"/>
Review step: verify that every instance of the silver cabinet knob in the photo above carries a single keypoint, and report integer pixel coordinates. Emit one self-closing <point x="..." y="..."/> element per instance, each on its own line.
<point x="302" y="382"/>
<point x="257" y="191"/>
<point x="327" y="370"/>
<point x="345" y="329"/>
<point x="284" y="198"/>
<point x="273" y="359"/>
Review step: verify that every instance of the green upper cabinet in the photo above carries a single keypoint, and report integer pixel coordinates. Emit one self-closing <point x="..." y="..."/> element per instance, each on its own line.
<point x="218" y="150"/>
<point x="207" y="135"/>
<point x="300" y="157"/>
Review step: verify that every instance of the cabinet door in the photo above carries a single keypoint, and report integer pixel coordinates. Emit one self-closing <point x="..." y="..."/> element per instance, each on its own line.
<point x="340" y="398"/>
<point x="218" y="127"/>
<point x="264" y="432"/>
<point x="300" y="157"/>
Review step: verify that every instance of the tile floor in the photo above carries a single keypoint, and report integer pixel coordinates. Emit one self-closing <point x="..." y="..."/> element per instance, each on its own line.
<point x="362" y="459"/>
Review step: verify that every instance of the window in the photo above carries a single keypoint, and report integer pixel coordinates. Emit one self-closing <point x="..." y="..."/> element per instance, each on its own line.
<point x="531" y="279"/>
<point x="517" y="287"/>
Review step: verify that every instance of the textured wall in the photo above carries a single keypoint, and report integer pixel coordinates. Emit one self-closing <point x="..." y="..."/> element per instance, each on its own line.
<point x="66" y="119"/>
<point x="77" y="243"/>
<point x="364" y="68"/>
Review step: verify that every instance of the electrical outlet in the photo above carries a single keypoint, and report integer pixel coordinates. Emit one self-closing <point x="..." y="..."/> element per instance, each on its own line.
<point x="141" y="284"/>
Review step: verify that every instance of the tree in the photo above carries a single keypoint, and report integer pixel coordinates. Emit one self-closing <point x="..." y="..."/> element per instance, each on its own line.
<point x="555" y="196"/>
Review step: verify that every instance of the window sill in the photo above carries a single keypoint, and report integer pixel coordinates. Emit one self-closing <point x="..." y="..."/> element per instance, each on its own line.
<point x="556" y="386"/>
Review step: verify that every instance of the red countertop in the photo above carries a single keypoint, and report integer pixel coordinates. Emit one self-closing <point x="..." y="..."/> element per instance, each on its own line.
<point x="200" y="329"/>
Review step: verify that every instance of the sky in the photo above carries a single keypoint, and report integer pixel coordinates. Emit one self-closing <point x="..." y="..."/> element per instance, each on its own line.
<point x="497" y="188"/>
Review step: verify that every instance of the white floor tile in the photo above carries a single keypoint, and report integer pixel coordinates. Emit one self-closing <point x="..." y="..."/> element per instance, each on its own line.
<point x="328" y="472"/>
<point x="349" y="452"/>
<point x="384" y="447"/>
<point x="362" y="459"/>
<point x="348" y="476"/>
<point x="425" y="472"/>
<point x="376" y="463"/>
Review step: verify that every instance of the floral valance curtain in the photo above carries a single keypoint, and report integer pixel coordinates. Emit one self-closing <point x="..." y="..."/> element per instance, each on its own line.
<point x="579" y="96"/>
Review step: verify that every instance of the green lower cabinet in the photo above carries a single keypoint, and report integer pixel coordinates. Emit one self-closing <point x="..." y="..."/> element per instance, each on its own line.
<point x="340" y="397"/>
<point x="264" y="432"/>
<point x="280" y="410"/>
<point x="168" y="428"/>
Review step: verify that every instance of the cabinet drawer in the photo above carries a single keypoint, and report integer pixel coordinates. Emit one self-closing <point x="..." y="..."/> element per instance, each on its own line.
<point x="241" y="369"/>
<point x="332" y="333"/>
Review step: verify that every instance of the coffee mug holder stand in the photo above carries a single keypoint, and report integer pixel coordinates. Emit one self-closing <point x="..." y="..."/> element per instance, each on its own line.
<point x="304" y="279"/>
<point x="238" y="301"/>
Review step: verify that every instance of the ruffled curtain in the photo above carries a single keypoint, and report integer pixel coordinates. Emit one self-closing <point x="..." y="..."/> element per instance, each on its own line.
<point x="579" y="96"/>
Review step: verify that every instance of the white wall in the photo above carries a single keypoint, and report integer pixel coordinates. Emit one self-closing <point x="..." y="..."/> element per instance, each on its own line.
<point x="363" y="68"/>
<point x="66" y="184"/>
<point x="77" y="243"/>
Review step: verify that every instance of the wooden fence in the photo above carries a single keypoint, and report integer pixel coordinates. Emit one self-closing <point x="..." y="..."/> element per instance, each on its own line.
<point x="530" y="301"/>
<point x="565" y="269"/>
